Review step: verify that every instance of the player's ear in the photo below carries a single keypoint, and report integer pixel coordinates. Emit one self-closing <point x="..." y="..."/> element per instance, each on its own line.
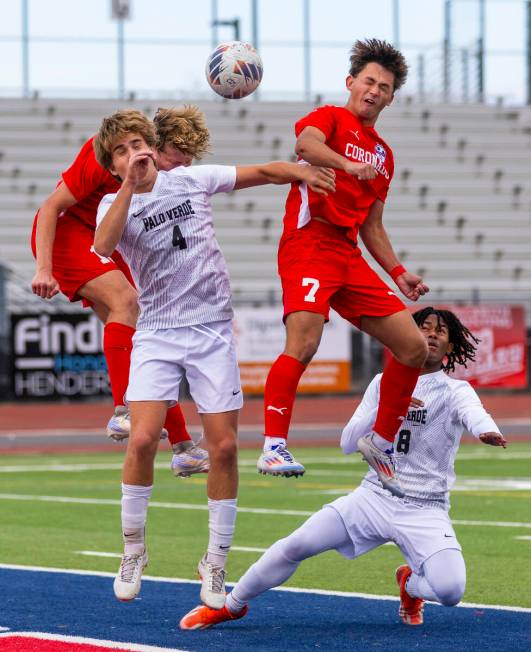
<point x="349" y="81"/>
<point x="449" y="348"/>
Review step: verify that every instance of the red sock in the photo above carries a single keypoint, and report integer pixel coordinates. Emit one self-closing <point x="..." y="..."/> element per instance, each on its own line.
<point x="279" y="395"/>
<point x="176" y="425"/>
<point x="117" y="347"/>
<point x="396" y="389"/>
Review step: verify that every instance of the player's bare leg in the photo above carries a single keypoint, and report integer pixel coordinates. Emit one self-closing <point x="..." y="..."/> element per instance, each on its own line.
<point x="401" y="335"/>
<point x="303" y="335"/>
<point x="222" y="490"/>
<point x="114" y="301"/>
<point x="147" y="418"/>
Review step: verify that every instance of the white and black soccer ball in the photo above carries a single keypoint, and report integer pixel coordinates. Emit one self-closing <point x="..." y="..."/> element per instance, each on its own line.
<point x="234" y="70"/>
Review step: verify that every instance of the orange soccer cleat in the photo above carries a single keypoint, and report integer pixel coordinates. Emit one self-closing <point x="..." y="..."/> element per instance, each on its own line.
<point x="203" y="617"/>
<point x="411" y="610"/>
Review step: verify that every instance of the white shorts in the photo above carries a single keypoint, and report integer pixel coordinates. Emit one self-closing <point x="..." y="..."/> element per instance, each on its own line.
<point x="373" y="519"/>
<point x="205" y="353"/>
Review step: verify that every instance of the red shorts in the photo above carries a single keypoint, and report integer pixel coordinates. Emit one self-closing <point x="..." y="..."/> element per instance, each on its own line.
<point x="320" y="268"/>
<point x="73" y="262"/>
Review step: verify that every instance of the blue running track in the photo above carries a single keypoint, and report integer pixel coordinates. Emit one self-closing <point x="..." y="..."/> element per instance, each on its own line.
<point x="84" y="605"/>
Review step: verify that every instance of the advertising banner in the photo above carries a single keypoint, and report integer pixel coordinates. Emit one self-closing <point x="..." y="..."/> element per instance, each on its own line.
<point x="260" y="338"/>
<point x="57" y="356"/>
<point x="501" y="357"/>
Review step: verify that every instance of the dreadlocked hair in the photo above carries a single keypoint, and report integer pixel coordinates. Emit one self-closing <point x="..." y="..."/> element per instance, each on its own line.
<point x="464" y="343"/>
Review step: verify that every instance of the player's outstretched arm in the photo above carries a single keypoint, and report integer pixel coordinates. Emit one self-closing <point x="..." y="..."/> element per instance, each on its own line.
<point x="375" y="238"/>
<point x="320" y="180"/>
<point x="43" y="283"/>
<point x="311" y="147"/>
<point x="470" y="411"/>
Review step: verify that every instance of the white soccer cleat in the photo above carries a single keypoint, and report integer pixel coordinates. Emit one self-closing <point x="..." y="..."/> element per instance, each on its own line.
<point x="279" y="461"/>
<point x="119" y="426"/>
<point x="189" y="458"/>
<point x="213" y="584"/>
<point x="382" y="463"/>
<point x="128" y="579"/>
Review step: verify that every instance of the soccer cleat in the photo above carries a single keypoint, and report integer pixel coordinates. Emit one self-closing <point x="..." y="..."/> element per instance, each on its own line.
<point x="129" y="576"/>
<point x="279" y="461"/>
<point x="411" y="610"/>
<point x="119" y="426"/>
<point x="213" y="584"/>
<point x="382" y="463"/>
<point x="203" y="617"/>
<point x="189" y="458"/>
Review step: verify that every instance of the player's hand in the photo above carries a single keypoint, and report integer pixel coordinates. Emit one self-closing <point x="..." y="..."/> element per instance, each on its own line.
<point x="411" y="286"/>
<point x="416" y="402"/>
<point x="138" y="167"/>
<point x="320" y="180"/>
<point x="363" y="171"/>
<point x="44" y="285"/>
<point x="493" y="439"/>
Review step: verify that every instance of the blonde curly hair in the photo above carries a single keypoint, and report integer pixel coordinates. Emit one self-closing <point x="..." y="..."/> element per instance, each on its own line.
<point x="185" y="128"/>
<point x="117" y="126"/>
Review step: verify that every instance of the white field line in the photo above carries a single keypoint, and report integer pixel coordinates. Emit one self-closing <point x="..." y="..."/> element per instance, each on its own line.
<point x="241" y="510"/>
<point x="335" y="461"/>
<point x="289" y="589"/>
<point x="97" y="553"/>
<point x="113" y="645"/>
<point x="523" y="538"/>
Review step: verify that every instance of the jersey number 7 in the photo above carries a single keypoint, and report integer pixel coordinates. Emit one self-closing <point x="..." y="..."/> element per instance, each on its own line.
<point x="178" y="239"/>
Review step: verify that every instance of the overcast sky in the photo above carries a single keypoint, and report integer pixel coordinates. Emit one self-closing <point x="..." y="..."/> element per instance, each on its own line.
<point x="73" y="50"/>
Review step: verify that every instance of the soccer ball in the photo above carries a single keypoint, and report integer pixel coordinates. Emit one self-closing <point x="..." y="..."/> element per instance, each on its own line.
<point x="234" y="70"/>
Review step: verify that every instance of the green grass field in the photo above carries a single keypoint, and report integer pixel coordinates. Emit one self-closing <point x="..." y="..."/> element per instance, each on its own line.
<point x="493" y="485"/>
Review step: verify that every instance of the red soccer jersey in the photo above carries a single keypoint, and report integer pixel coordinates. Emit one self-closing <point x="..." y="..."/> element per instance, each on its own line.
<point x="88" y="182"/>
<point x="350" y="204"/>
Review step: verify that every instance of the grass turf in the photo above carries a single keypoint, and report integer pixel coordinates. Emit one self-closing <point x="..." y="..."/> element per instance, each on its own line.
<point x="51" y="534"/>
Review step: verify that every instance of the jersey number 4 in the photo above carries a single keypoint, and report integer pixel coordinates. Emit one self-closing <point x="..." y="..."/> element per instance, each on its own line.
<point x="178" y="239"/>
<point x="402" y="444"/>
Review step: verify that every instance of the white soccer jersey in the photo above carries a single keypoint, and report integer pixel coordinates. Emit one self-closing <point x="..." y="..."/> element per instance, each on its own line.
<point x="429" y="437"/>
<point x="171" y="248"/>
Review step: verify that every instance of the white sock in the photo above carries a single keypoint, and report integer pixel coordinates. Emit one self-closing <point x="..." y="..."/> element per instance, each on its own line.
<point x="271" y="442"/>
<point x="323" y="531"/>
<point x="221" y="523"/>
<point x="135" y="499"/>
<point x="381" y="443"/>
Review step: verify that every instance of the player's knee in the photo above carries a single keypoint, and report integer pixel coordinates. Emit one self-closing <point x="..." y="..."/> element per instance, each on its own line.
<point x="414" y="352"/>
<point x="224" y="452"/>
<point x="129" y="303"/>
<point x="450" y="591"/>
<point x="144" y="444"/>
<point x="303" y="349"/>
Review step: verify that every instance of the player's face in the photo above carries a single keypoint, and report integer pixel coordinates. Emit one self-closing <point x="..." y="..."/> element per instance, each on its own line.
<point x="436" y="333"/>
<point x="122" y="150"/>
<point x="170" y="157"/>
<point x="370" y="92"/>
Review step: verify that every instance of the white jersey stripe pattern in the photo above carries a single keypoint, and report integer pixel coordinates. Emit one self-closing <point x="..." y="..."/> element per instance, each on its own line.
<point x="427" y="442"/>
<point x="171" y="248"/>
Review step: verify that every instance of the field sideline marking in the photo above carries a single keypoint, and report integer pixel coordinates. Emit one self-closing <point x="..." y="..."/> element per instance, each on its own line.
<point x="350" y="459"/>
<point x="97" y="553"/>
<point x="113" y="645"/>
<point x="241" y="510"/>
<point x="289" y="589"/>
